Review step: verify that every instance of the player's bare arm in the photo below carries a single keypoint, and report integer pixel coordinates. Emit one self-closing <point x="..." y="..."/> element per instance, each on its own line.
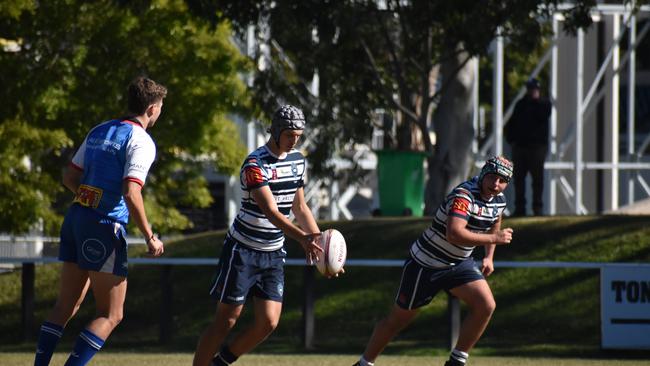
<point x="264" y="199"/>
<point x="487" y="267"/>
<point x="132" y="193"/>
<point x="457" y="233"/>
<point x="72" y="178"/>
<point x="303" y="214"/>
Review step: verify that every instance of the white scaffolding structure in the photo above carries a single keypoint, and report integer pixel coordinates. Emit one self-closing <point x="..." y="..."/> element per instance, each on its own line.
<point x="571" y="158"/>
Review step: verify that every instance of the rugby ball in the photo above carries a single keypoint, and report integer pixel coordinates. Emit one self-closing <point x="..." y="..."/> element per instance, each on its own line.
<point x="331" y="261"/>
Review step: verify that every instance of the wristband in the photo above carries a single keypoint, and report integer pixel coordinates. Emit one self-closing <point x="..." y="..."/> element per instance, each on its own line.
<point x="149" y="239"/>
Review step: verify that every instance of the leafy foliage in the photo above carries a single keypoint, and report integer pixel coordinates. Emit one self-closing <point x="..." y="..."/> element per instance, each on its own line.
<point x="372" y="55"/>
<point x="67" y="70"/>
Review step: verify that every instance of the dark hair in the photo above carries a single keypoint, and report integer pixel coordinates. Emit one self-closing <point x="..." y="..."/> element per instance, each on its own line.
<point x="142" y="93"/>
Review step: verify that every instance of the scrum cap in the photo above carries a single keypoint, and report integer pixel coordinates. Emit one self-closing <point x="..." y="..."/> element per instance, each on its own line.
<point x="497" y="165"/>
<point x="286" y="117"/>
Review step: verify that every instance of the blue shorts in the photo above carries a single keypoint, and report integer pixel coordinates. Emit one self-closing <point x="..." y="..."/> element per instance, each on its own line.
<point x="93" y="241"/>
<point x="420" y="284"/>
<point x="244" y="271"/>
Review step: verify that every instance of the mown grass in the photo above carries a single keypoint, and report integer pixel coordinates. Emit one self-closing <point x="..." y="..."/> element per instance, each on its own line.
<point x="167" y="359"/>
<point x="540" y="312"/>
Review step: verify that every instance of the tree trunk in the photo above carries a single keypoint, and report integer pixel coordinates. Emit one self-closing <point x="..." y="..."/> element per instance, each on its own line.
<point x="452" y="123"/>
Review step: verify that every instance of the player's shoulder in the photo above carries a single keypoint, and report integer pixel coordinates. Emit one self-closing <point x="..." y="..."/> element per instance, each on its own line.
<point x="469" y="188"/>
<point x="98" y="128"/>
<point x="257" y="157"/>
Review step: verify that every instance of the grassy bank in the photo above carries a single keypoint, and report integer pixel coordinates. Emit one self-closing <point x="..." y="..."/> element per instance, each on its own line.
<point x="539" y="311"/>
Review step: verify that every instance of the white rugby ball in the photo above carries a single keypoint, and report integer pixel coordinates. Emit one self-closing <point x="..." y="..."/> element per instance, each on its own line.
<point x="331" y="261"/>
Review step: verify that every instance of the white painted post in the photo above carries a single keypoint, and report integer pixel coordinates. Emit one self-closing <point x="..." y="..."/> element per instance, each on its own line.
<point x="552" y="191"/>
<point x="616" y="25"/>
<point x="497" y="94"/>
<point x="579" y="125"/>
<point x="631" y="84"/>
<point x="475" y="109"/>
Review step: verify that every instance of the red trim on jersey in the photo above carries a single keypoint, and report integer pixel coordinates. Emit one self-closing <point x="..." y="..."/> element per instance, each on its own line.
<point x="132" y="122"/>
<point x="75" y="166"/>
<point x="136" y="180"/>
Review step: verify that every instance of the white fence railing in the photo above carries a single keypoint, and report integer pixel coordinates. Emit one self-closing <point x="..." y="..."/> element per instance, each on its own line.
<point x="166" y="317"/>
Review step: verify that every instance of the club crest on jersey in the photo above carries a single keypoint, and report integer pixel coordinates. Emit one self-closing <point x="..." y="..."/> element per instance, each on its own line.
<point x="88" y="196"/>
<point x="294" y="170"/>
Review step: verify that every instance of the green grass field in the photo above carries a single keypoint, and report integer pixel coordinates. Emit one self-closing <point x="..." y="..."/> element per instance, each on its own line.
<point x="540" y="312"/>
<point x="145" y="359"/>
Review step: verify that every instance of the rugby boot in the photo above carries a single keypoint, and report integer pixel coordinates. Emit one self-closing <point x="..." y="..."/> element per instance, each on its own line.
<point x="454" y="363"/>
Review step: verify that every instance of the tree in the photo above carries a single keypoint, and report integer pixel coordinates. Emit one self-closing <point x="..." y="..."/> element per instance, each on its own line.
<point x="65" y="66"/>
<point x="408" y="57"/>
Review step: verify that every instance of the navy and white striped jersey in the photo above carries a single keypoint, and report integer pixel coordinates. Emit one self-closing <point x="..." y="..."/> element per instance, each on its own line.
<point x="284" y="176"/>
<point x="432" y="249"/>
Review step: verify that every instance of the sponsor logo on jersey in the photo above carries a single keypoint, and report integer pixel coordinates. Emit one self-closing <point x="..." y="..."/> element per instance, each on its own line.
<point x="285" y="198"/>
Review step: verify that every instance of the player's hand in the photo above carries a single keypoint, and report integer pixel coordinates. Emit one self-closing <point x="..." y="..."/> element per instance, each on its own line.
<point x="503" y="236"/>
<point x="487" y="267"/>
<point x="310" y="245"/>
<point x="155" y="246"/>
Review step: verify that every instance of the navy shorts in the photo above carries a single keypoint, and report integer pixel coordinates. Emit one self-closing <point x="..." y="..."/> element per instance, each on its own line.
<point x="93" y="241"/>
<point x="243" y="271"/>
<point x="420" y="284"/>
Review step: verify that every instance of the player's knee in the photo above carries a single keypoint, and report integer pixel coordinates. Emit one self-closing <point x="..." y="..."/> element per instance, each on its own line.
<point x="115" y="318"/>
<point x="486" y="308"/>
<point x="228" y="322"/>
<point x="267" y="325"/>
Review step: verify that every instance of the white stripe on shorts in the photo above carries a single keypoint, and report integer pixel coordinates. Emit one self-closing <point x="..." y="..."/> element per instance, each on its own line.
<point x="399" y="288"/>
<point x="415" y="288"/>
<point x="225" y="282"/>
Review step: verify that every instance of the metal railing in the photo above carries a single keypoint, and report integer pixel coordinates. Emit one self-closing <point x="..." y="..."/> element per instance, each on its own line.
<point x="166" y="318"/>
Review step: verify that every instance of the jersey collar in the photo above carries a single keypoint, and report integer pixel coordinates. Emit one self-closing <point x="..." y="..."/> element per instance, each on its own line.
<point x="133" y="121"/>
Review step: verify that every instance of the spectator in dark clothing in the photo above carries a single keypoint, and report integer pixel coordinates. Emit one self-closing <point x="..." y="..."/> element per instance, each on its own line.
<point x="527" y="133"/>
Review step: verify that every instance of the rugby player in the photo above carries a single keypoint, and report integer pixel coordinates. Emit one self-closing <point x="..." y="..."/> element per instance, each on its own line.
<point x="251" y="263"/>
<point x="106" y="175"/>
<point x="440" y="259"/>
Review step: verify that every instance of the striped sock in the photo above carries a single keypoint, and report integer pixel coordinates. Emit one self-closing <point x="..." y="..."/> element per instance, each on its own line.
<point x="85" y="347"/>
<point x="224" y="358"/>
<point x="458" y="357"/>
<point x="48" y="338"/>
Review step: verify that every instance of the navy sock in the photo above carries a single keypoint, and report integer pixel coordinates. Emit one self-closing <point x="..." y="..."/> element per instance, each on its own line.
<point x="224" y="358"/>
<point x="85" y="347"/>
<point x="48" y="338"/>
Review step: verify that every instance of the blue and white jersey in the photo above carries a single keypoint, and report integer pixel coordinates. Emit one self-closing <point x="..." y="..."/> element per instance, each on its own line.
<point x="432" y="249"/>
<point x="284" y="176"/>
<point x="113" y="151"/>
